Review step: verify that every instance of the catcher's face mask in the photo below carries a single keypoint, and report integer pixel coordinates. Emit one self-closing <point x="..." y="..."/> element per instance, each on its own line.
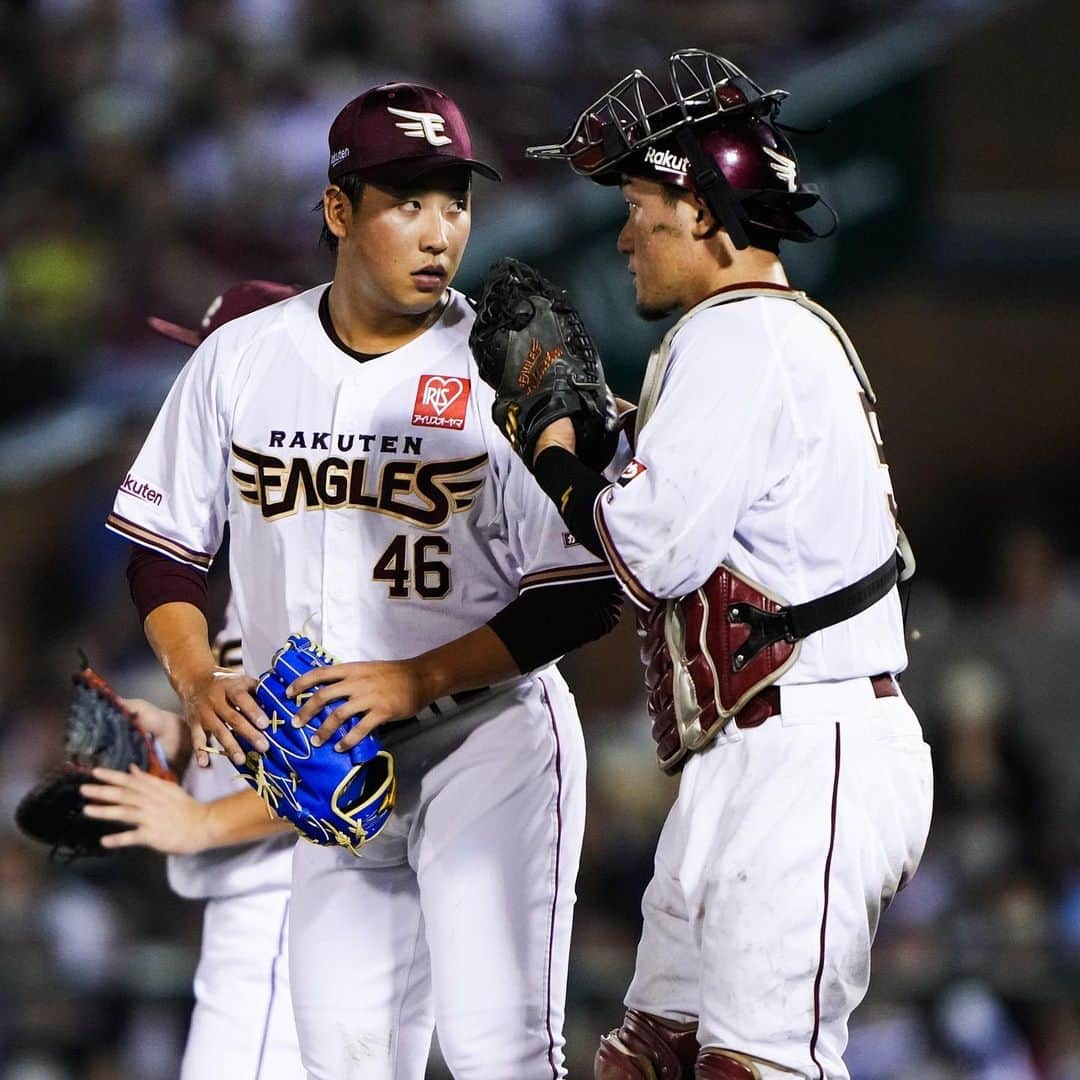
<point x="716" y="134"/>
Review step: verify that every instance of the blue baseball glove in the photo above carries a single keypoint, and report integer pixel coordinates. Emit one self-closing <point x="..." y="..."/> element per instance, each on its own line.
<point x="329" y="797"/>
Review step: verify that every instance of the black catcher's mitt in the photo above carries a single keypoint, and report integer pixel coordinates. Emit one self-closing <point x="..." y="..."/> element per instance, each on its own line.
<point x="534" y="351"/>
<point x="100" y="731"/>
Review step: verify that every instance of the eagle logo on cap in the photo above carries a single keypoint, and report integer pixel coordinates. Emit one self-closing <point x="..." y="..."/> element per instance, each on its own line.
<point x="422" y="125"/>
<point x="784" y="168"/>
<point x="212" y="310"/>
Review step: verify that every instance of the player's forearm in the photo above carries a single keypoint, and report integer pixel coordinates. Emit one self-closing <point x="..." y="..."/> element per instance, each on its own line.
<point x="239" y="819"/>
<point x="476" y="660"/>
<point x="217" y="703"/>
<point x="179" y="636"/>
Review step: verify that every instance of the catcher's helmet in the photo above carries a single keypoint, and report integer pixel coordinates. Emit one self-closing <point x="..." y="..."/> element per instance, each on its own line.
<point x="717" y="136"/>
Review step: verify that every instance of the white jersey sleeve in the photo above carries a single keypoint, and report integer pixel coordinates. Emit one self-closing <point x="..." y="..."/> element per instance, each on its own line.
<point x="718" y="438"/>
<point x="174" y="498"/>
<point x="546" y="553"/>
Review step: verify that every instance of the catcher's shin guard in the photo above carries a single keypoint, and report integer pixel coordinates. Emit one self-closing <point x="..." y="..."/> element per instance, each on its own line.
<point x="647" y="1047"/>
<point x="721" y="1065"/>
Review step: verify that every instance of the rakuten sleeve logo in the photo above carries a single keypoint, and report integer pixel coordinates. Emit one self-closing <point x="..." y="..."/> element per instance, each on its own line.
<point x="132" y="485"/>
<point x="441" y="401"/>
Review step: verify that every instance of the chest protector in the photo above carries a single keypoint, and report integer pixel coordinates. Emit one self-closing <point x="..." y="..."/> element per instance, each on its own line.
<point x="709" y="653"/>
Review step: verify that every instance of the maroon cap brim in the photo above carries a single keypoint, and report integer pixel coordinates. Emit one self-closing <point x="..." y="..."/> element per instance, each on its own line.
<point x="405" y="170"/>
<point x="174" y="331"/>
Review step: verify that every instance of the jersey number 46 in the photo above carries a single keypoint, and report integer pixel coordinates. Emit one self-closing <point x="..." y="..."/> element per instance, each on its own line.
<point x="417" y="571"/>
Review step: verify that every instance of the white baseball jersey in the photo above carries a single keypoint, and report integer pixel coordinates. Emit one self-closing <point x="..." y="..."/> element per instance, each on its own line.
<point x="736" y="465"/>
<point x="373" y="504"/>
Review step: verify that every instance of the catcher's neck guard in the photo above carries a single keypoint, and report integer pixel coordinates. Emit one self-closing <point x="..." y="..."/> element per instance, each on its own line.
<point x="747" y="177"/>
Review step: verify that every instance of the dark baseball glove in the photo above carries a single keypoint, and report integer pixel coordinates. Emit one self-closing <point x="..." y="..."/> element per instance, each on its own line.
<point x="533" y="350"/>
<point x="328" y="797"/>
<point x="100" y="731"/>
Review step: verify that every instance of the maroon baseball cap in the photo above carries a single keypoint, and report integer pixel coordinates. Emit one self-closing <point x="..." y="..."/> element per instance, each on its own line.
<point x="240" y="299"/>
<point x="397" y="132"/>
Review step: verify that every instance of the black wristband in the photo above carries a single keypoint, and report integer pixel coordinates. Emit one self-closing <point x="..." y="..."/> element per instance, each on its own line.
<point x="572" y="487"/>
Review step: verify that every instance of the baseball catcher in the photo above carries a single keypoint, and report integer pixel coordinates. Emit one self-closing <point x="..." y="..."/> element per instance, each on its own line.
<point x="328" y="797"/>
<point x="101" y="731"/>
<point x="755" y="527"/>
<point x="533" y="350"/>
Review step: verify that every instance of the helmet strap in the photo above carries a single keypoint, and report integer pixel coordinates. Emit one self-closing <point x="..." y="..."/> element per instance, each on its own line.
<point x="799" y="229"/>
<point x="835" y="220"/>
<point x="712" y="185"/>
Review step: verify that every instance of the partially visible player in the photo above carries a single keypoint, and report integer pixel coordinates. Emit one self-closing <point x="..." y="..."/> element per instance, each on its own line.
<point x="755" y="528"/>
<point x="160" y="813"/>
<point x="221" y="845"/>
<point x="346" y="438"/>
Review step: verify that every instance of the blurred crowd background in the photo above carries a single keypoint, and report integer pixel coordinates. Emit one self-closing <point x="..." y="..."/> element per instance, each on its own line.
<point x="152" y="152"/>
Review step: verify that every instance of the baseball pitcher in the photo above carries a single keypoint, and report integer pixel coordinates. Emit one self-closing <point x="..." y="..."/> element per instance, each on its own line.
<point x="345" y="438"/>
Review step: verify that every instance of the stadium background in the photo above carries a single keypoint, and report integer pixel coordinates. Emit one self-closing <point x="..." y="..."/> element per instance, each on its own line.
<point x="153" y="152"/>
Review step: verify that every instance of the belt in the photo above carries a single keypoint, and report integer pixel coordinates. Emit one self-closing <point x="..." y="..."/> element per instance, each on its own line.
<point x="767" y="703"/>
<point x="440" y="709"/>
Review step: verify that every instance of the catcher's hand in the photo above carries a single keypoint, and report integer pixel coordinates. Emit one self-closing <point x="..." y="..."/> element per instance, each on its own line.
<point x="532" y="348"/>
<point x="328" y="796"/>
<point x="101" y="731"/>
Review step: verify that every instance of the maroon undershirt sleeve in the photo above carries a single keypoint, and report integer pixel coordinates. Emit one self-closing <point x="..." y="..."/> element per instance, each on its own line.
<point x="155" y="579"/>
